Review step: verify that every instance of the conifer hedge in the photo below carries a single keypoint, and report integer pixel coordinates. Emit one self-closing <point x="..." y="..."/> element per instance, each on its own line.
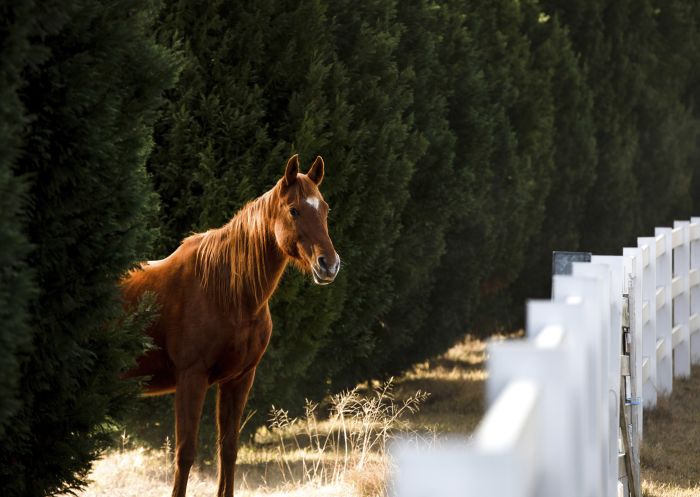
<point x="81" y="85"/>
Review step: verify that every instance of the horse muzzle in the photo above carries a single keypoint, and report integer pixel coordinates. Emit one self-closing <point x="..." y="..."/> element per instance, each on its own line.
<point x="323" y="272"/>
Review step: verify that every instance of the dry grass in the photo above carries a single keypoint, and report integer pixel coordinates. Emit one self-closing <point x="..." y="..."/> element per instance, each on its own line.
<point x="342" y="453"/>
<point x="148" y="473"/>
<point x="349" y="445"/>
<point x="671" y="448"/>
<point x="455" y="382"/>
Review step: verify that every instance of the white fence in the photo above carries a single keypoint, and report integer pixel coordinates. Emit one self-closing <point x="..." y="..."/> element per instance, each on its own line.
<point x="611" y="339"/>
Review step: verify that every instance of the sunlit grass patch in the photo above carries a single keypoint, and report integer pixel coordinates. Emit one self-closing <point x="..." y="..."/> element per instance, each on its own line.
<point x="338" y="448"/>
<point x="147" y="473"/>
<point x="652" y="488"/>
<point x="343" y="452"/>
<point x="671" y="448"/>
<point x="348" y="445"/>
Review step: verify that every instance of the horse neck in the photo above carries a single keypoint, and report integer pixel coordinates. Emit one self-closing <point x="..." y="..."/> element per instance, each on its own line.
<point x="243" y="260"/>
<point x="275" y="263"/>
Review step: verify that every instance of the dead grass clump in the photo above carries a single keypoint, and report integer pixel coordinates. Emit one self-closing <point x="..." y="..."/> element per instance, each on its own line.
<point x="652" y="488"/>
<point x="350" y="446"/>
<point x="670" y="454"/>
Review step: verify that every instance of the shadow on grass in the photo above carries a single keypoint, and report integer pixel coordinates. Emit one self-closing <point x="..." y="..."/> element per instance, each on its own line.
<point x="455" y="381"/>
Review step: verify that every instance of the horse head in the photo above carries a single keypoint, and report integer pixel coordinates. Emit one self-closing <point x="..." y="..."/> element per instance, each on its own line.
<point x="301" y="223"/>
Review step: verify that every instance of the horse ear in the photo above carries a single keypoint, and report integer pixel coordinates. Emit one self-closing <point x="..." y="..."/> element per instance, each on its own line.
<point x="315" y="173"/>
<point x="290" y="173"/>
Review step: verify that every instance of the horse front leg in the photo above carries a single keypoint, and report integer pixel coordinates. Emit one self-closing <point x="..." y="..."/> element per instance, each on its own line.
<point x="230" y="402"/>
<point x="190" y="391"/>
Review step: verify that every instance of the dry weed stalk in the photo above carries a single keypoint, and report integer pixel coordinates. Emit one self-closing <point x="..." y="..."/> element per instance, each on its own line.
<point x="351" y="444"/>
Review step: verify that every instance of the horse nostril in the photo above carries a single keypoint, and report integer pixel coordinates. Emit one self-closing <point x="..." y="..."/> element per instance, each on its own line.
<point x="322" y="263"/>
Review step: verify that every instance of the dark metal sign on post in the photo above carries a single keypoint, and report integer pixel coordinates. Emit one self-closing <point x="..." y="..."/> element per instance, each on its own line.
<point x="562" y="260"/>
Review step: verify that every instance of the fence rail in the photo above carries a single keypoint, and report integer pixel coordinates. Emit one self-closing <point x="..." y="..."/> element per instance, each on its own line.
<point x="565" y="404"/>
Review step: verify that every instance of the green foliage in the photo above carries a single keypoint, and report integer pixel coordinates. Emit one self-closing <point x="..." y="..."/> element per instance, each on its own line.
<point x="434" y="190"/>
<point x="607" y="35"/>
<point x="574" y="154"/>
<point x="638" y="58"/>
<point x="501" y="113"/>
<point x="668" y="127"/>
<point x="15" y="275"/>
<point x="84" y="81"/>
<point x="378" y="160"/>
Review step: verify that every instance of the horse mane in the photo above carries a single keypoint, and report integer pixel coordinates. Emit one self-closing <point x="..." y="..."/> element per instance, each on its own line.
<point x="231" y="260"/>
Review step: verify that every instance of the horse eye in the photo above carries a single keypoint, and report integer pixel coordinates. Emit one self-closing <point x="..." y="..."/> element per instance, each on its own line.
<point x="294" y="212"/>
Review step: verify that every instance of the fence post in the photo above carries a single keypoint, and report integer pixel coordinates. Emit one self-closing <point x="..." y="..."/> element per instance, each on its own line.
<point x="694" y="283"/>
<point x="664" y="310"/>
<point x="590" y="292"/>
<point x="635" y="264"/>
<point x="680" y="292"/>
<point x="650" y="387"/>
<point x="577" y="322"/>
<point x="610" y="389"/>
<point x="545" y="365"/>
<point x="616" y="271"/>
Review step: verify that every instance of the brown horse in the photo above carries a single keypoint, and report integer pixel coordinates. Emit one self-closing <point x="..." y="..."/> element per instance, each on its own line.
<point x="214" y="322"/>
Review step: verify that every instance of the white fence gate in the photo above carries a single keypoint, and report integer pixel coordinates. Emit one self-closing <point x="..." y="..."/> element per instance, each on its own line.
<point x="611" y="339"/>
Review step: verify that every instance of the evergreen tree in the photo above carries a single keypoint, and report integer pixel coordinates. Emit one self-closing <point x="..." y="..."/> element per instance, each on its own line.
<point x="638" y="59"/>
<point x="679" y="24"/>
<point x="521" y="192"/>
<point x="15" y="276"/>
<point x="308" y="111"/>
<point x="474" y="116"/>
<point x="668" y="130"/>
<point x="604" y="34"/>
<point x="87" y="95"/>
<point x="502" y="116"/>
<point x="211" y="139"/>
<point x="381" y="152"/>
<point x="573" y="140"/>
<point x="435" y="191"/>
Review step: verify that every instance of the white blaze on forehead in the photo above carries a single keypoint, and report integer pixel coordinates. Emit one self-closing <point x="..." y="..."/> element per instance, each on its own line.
<point x="312" y="201"/>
